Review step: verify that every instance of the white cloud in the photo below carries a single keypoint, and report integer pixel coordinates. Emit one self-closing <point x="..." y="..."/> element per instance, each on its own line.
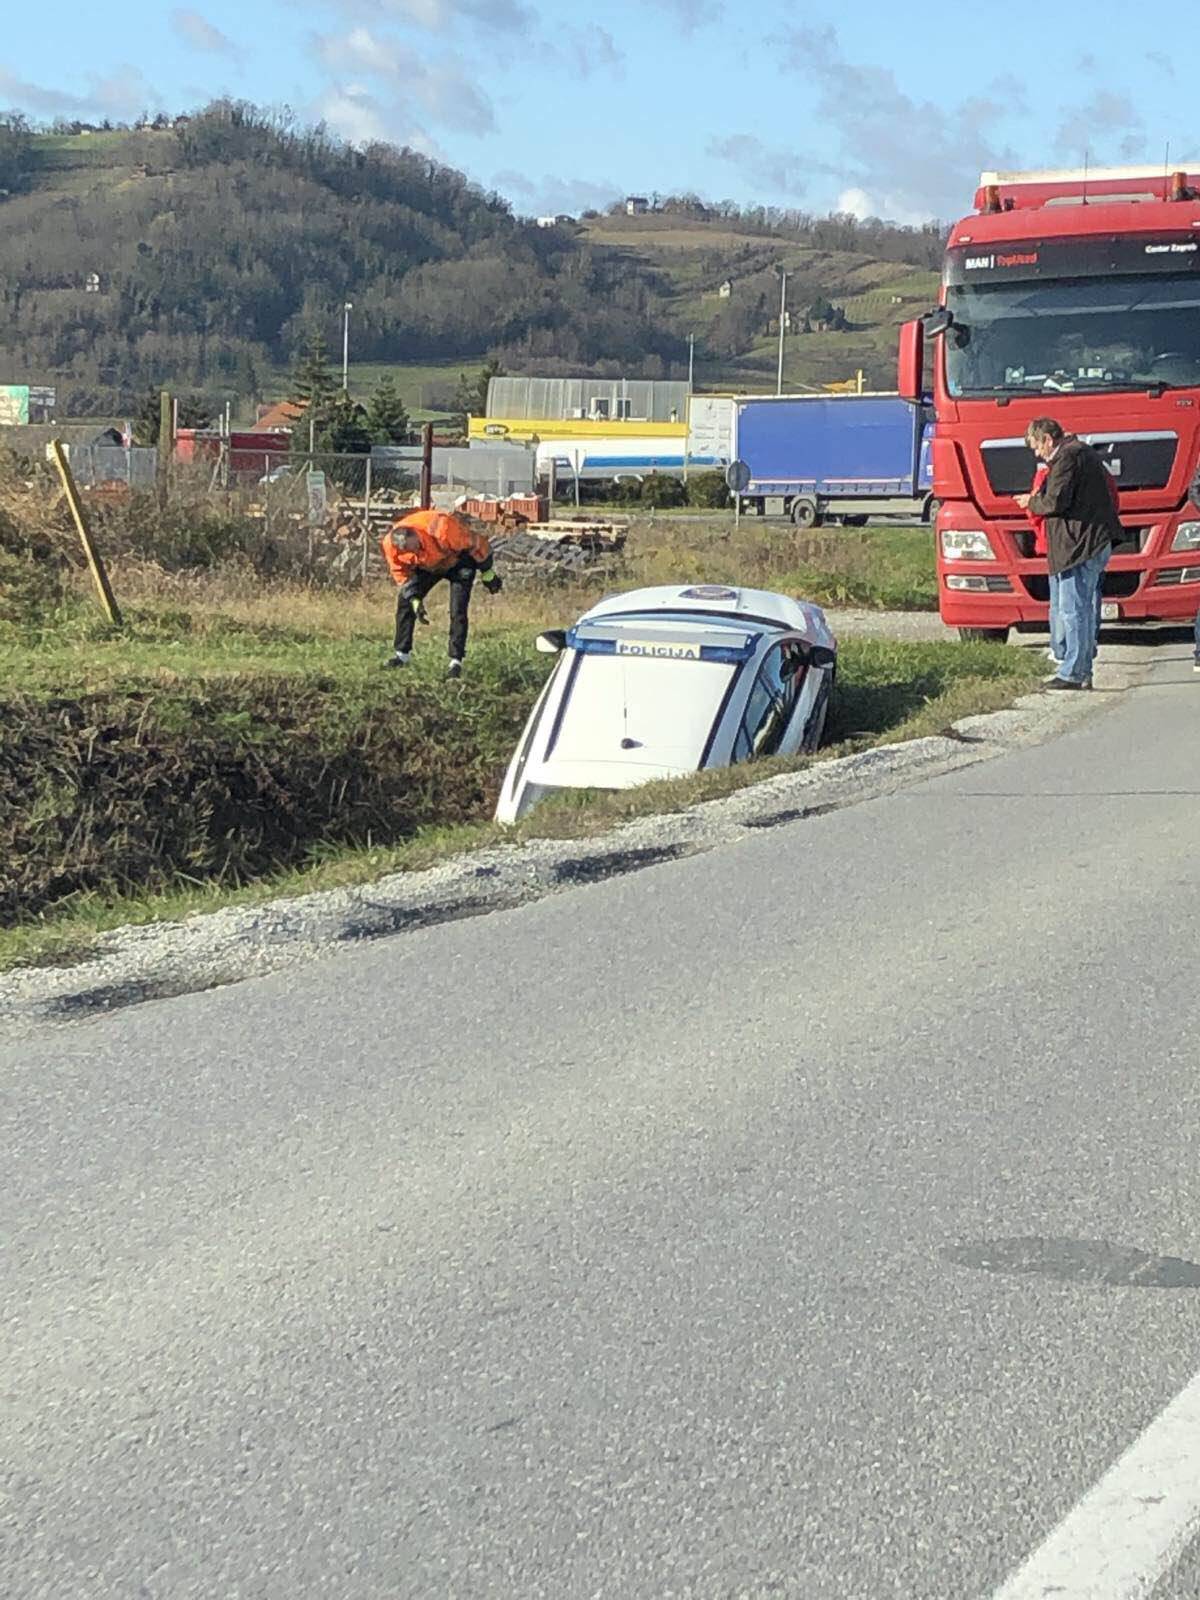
<point x="1105" y="123"/>
<point x="592" y="49"/>
<point x="442" y="16"/>
<point x="118" y="95"/>
<point x="417" y="85"/>
<point x="856" y="203"/>
<point x="693" y="14"/>
<point x="201" y="34"/>
<point x="916" y="159"/>
<point x="763" y="165"/>
<point x="860" y="203"/>
<point x="551" y="196"/>
<point x="353" y="112"/>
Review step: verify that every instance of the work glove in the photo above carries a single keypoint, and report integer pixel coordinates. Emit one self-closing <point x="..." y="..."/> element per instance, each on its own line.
<point x="492" y="581"/>
<point x="419" y="610"/>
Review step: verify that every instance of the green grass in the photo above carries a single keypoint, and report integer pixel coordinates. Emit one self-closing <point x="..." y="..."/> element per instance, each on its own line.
<point x="190" y="658"/>
<point x="410" y="378"/>
<point x="242" y="670"/>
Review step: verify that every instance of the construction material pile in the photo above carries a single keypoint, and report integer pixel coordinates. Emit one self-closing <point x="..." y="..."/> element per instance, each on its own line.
<point x="544" y="550"/>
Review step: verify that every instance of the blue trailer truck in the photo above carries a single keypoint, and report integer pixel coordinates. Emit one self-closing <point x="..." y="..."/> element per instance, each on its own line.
<point x="844" y="457"/>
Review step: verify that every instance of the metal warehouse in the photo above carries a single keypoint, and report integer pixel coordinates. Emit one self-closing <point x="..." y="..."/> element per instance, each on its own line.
<point x="587" y="399"/>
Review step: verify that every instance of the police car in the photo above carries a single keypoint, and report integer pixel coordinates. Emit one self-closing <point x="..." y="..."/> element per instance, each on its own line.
<point x="661" y="682"/>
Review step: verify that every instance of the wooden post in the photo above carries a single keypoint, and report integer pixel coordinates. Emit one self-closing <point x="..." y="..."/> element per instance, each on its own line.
<point x="166" y="444"/>
<point x="426" y="495"/>
<point x="94" y="559"/>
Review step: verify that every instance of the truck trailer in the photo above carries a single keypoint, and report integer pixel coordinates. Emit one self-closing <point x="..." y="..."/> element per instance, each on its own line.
<point x="1073" y="295"/>
<point x="817" y="457"/>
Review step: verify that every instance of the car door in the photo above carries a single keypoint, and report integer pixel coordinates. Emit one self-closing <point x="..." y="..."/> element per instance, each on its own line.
<point x="768" y="716"/>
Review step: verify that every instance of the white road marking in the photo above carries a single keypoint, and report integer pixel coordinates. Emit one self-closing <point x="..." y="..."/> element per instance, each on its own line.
<point x="1132" y="1528"/>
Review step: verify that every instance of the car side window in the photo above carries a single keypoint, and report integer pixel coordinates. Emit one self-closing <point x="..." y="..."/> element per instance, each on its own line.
<point x="767" y="710"/>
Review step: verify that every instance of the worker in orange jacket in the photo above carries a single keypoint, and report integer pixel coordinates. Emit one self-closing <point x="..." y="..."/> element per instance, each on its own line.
<point x="421" y="549"/>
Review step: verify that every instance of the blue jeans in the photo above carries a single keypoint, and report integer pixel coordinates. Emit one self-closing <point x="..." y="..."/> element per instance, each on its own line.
<point x="1078" y="597"/>
<point x="1058" y="642"/>
<point x="1058" y="645"/>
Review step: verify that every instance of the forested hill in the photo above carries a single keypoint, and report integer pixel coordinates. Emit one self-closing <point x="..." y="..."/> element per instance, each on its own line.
<point x="205" y="253"/>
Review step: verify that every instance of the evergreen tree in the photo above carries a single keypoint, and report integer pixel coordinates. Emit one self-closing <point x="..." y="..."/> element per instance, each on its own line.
<point x="344" y="428"/>
<point x="194" y="412"/>
<point x="470" y="398"/>
<point x="246" y="378"/>
<point x="387" y="418"/>
<point x="313" y="386"/>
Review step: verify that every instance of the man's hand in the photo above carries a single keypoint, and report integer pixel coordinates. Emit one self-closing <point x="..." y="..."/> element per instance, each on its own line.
<point x="1023" y="501"/>
<point x="419" y="610"/>
<point x="492" y="582"/>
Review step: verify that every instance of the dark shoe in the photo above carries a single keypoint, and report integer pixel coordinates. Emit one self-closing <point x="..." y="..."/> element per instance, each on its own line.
<point x="1068" y="683"/>
<point x="397" y="660"/>
<point x="1196" y="665"/>
<point x="454" y="668"/>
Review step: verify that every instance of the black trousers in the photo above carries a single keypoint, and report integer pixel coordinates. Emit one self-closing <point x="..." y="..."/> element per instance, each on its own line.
<point x="461" y="580"/>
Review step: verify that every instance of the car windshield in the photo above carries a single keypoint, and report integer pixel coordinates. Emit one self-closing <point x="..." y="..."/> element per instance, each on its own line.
<point x="1062" y="336"/>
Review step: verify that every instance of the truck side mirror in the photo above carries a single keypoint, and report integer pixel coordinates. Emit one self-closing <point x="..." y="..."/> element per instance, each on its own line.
<point x="936" y="323"/>
<point x="910" y="366"/>
<point x="552" y="642"/>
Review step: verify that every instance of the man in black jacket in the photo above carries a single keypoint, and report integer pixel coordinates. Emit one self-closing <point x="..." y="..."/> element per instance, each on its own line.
<point x="1081" y="524"/>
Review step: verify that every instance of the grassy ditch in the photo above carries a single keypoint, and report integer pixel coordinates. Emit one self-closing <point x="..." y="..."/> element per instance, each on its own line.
<point x="210" y="754"/>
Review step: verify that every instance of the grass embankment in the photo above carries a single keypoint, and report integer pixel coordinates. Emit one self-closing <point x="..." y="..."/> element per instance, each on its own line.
<point x="246" y="744"/>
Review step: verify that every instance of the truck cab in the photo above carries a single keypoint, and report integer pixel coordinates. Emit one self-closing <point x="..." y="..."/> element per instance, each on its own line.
<point x="1073" y="295"/>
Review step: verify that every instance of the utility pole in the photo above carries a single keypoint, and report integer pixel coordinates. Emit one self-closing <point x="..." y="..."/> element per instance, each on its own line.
<point x="426" y="485"/>
<point x="346" y="310"/>
<point x="691" y="360"/>
<point x="782" y="320"/>
<point x="166" y="445"/>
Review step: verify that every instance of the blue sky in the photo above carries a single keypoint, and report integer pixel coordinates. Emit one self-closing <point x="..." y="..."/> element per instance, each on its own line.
<point x="864" y="106"/>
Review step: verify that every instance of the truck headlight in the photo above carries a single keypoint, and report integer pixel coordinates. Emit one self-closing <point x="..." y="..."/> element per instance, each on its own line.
<point x="1187" y="536"/>
<point x="966" y="544"/>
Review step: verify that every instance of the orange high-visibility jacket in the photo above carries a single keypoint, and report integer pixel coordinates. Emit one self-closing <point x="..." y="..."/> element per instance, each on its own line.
<point x="445" y="539"/>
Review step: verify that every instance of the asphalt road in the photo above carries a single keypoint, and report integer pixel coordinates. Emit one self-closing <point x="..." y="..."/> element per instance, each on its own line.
<point x="816" y="1217"/>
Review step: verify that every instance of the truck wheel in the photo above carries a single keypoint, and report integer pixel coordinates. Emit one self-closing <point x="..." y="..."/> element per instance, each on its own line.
<point x="854" y="522"/>
<point x="932" y="507"/>
<point x="983" y="635"/>
<point x="806" y="513"/>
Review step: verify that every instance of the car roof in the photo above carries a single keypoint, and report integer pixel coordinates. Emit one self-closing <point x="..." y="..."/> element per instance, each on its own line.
<point x="719" y="604"/>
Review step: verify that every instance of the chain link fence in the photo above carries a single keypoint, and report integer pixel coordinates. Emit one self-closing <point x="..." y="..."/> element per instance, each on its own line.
<point x="316" y="517"/>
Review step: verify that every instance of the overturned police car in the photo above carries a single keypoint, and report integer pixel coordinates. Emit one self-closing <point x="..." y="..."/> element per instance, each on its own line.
<point x="661" y="682"/>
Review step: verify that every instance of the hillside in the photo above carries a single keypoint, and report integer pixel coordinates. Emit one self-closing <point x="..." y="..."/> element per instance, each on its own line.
<point x="204" y="254"/>
<point x="737" y="337"/>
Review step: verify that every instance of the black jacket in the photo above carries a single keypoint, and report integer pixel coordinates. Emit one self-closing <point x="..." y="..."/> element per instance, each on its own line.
<point x="1077" y="503"/>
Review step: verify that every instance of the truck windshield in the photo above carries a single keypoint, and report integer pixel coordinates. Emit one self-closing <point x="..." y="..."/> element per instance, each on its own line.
<point x="1074" y="334"/>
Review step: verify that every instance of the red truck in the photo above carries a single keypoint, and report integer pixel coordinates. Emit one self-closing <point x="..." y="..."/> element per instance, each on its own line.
<point x="1073" y="295"/>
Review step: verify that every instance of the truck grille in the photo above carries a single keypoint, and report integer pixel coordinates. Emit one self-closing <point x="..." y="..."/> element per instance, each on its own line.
<point x="1136" y="460"/>
<point x="1133" y="543"/>
<point x="1116" y="586"/>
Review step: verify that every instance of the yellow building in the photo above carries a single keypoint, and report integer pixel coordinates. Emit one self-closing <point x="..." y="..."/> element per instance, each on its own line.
<point x="521" y="430"/>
